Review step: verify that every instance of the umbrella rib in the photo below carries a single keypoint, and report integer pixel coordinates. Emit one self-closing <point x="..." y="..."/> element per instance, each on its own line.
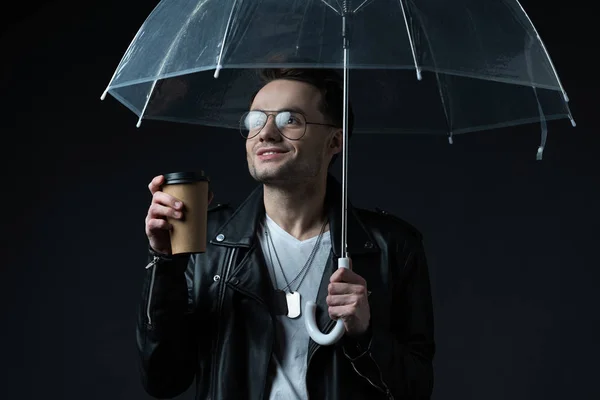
<point x="446" y="105"/>
<point x="410" y="39"/>
<point x="547" y="55"/>
<point x="163" y="63"/>
<point x="139" y="123"/>
<point x="137" y="34"/>
<point x="300" y="31"/>
<point x="361" y="6"/>
<point x="220" y="59"/>
<point x="543" y="124"/>
<point x="330" y="6"/>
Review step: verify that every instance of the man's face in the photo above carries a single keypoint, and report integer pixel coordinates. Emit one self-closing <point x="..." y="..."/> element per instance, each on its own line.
<point x="293" y="161"/>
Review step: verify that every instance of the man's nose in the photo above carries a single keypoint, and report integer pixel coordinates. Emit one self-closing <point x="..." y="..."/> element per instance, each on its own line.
<point x="270" y="132"/>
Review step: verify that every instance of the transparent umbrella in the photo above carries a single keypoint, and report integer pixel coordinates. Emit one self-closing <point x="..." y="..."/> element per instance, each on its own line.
<point x="409" y="66"/>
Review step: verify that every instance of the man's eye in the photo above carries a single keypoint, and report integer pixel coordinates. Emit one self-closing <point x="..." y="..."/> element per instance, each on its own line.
<point x="254" y="121"/>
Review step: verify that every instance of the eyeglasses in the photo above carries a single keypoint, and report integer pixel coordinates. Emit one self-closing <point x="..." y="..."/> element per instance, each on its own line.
<point x="291" y="124"/>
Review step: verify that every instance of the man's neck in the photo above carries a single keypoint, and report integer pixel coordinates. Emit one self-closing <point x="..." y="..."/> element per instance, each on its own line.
<point x="299" y="210"/>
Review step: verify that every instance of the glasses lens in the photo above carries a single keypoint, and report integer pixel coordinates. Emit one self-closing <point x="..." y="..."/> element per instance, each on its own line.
<point x="252" y="122"/>
<point x="291" y="124"/>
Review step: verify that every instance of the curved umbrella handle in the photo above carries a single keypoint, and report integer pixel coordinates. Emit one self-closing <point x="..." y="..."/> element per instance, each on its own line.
<point x="311" y="324"/>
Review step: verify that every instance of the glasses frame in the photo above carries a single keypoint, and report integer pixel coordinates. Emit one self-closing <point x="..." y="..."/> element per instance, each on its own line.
<point x="274" y="114"/>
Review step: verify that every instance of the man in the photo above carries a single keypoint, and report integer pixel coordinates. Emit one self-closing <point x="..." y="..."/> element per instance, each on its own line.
<point x="233" y="317"/>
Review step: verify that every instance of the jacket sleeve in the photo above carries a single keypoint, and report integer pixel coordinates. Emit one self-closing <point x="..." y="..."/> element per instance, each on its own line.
<point x="166" y="332"/>
<point x="399" y="360"/>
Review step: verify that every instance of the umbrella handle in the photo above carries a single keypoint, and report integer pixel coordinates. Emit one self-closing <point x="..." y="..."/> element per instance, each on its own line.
<point x="311" y="324"/>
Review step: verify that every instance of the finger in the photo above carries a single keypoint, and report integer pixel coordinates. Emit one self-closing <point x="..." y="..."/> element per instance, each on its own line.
<point x="337" y="288"/>
<point x="342" y="312"/>
<point x="165" y="199"/>
<point x="158" y="211"/>
<point x="342" y="300"/>
<point x="348" y="276"/>
<point x="156" y="183"/>
<point x="155" y="224"/>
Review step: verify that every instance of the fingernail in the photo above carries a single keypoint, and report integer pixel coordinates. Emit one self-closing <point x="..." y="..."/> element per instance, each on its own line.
<point x="177" y="214"/>
<point x="177" y="204"/>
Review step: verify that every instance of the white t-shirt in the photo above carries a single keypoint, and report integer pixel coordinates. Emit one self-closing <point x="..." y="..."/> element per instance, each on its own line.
<point x="291" y="343"/>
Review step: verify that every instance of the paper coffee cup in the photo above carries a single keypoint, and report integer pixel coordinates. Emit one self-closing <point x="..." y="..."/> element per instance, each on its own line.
<point x="189" y="233"/>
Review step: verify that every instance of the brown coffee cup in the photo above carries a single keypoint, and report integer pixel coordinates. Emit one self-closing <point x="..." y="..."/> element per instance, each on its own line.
<point x="189" y="233"/>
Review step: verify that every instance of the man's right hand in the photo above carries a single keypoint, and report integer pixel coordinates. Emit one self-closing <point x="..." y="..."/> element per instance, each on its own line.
<point x="162" y="206"/>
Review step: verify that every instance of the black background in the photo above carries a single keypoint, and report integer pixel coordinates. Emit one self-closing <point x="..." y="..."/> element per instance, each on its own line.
<point x="512" y="242"/>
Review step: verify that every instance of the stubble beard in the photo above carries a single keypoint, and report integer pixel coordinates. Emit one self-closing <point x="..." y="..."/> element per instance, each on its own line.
<point x="289" y="173"/>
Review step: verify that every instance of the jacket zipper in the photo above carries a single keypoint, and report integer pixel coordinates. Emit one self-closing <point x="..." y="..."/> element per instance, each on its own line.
<point x="385" y="389"/>
<point x="270" y="356"/>
<point x="152" y="263"/>
<point x="219" y="311"/>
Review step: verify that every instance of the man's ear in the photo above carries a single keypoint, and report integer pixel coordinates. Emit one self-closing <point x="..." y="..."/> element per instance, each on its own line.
<point x="337" y="141"/>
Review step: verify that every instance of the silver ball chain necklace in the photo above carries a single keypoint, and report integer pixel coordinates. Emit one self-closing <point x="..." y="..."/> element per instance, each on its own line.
<point x="288" y="301"/>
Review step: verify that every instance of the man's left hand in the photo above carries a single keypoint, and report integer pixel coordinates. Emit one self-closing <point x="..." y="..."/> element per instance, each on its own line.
<point x="348" y="299"/>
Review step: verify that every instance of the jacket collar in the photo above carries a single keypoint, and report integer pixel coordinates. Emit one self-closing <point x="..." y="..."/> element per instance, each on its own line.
<point x="239" y="230"/>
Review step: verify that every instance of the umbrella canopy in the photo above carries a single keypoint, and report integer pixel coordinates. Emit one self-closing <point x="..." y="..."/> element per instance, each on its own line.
<point x="420" y="66"/>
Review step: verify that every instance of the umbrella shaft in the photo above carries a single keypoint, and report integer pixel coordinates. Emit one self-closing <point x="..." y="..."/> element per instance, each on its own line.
<point x="345" y="147"/>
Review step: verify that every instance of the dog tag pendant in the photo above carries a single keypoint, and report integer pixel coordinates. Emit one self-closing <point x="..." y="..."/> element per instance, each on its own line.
<point x="293" y="304"/>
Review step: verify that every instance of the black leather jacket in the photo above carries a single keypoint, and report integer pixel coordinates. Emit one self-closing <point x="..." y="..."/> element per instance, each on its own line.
<point x="208" y="317"/>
